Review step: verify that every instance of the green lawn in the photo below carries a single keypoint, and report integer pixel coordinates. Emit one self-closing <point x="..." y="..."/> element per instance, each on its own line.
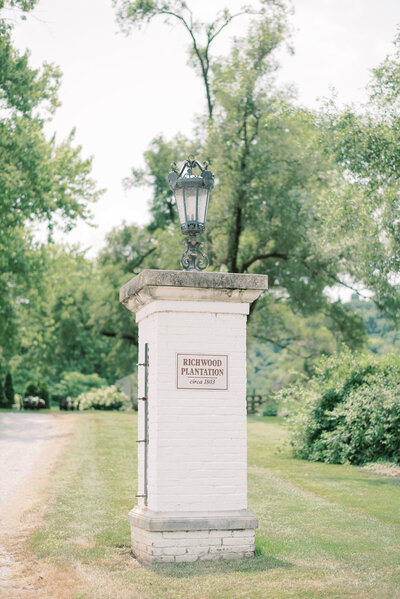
<point x="324" y="530"/>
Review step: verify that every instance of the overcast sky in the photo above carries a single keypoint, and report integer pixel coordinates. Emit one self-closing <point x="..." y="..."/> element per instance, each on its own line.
<point x="120" y="92"/>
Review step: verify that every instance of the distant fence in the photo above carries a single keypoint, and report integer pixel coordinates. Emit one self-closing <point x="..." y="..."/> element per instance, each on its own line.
<point x="257" y="403"/>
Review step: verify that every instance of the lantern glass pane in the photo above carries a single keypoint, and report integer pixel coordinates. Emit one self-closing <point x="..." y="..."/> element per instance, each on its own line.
<point x="190" y="196"/>
<point x="180" y="205"/>
<point x="202" y="205"/>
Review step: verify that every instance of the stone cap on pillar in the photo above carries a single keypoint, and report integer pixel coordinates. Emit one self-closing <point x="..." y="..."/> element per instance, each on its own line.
<point x="152" y="285"/>
<point x="186" y="521"/>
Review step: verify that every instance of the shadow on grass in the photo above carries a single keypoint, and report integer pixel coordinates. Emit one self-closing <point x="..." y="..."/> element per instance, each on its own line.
<point x="260" y="563"/>
<point x="384" y="480"/>
<point x="373" y="479"/>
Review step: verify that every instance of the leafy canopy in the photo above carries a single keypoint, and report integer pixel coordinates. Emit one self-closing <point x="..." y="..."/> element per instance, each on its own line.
<point x="41" y="180"/>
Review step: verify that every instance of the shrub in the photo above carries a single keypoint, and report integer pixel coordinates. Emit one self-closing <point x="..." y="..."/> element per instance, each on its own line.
<point x="67" y="403"/>
<point x="31" y="389"/>
<point x="349" y="411"/>
<point x="33" y="403"/>
<point x="73" y="384"/>
<point x="3" y="399"/>
<point x="44" y="393"/>
<point x="18" y="401"/>
<point x="270" y="408"/>
<point x="36" y="389"/>
<point x="9" y="389"/>
<point x="106" y="398"/>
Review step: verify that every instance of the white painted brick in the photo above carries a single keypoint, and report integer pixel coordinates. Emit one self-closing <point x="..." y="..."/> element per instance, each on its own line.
<point x="174" y="550"/>
<point x="156" y="551"/>
<point x="199" y="551"/>
<point x="238" y="541"/>
<point x="244" y="533"/>
<point x="185" y="542"/>
<point x="197" y="448"/>
<point x="219" y="533"/>
<point x="198" y="534"/>
<point x="175" y="535"/>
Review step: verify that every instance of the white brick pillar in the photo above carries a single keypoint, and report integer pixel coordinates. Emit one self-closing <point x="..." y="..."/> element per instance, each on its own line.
<point x="192" y="496"/>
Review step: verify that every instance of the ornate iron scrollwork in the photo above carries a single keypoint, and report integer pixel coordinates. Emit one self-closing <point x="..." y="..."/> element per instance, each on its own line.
<point x="193" y="258"/>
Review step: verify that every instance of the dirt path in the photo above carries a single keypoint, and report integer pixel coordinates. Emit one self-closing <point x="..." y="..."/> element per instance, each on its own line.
<point x="30" y="444"/>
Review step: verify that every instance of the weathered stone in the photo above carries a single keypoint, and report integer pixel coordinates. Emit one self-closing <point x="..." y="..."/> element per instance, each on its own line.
<point x="146" y="519"/>
<point x="153" y="549"/>
<point x="152" y="285"/>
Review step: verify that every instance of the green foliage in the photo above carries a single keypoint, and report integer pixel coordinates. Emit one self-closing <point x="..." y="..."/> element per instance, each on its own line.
<point x="24" y="5"/>
<point x="73" y="384"/>
<point x="309" y="198"/>
<point x="158" y="161"/>
<point x="105" y="398"/>
<point x="59" y="330"/>
<point x="349" y="411"/>
<point x="33" y="403"/>
<point x="38" y="389"/>
<point x="41" y="180"/>
<point x="44" y="393"/>
<point x="276" y="184"/>
<point x="3" y="398"/>
<point x="270" y="408"/>
<point x="385" y="85"/>
<point x="366" y="146"/>
<point x="383" y="335"/>
<point x="284" y="345"/>
<point x="31" y="389"/>
<point x="9" y="389"/>
<point x="338" y="525"/>
<point x="201" y="35"/>
<point x="127" y="248"/>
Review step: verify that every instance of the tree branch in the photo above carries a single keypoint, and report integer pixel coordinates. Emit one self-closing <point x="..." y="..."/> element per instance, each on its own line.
<point x="204" y="68"/>
<point x="143" y="256"/>
<point x="284" y="345"/>
<point x="126" y="336"/>
<point x="247" y="264"/>
<point x="238" y="14"/>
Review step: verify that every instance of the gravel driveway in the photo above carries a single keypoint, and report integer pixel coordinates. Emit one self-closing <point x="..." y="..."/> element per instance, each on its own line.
<point x="29" y="445"/>
<point x="23" y="437"/>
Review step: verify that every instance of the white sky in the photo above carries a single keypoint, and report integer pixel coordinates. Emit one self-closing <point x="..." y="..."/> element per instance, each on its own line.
<point x="120" y="92"/>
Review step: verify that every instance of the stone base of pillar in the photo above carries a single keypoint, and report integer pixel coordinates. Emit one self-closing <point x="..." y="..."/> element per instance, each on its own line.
<point x="159" y="537"/>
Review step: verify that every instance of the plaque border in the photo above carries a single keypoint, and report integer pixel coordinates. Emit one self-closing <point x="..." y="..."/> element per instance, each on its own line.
<point x="211" y="355"/>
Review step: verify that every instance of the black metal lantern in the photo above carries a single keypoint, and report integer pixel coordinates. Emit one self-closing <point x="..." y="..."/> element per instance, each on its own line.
<point x="192" y="194"/>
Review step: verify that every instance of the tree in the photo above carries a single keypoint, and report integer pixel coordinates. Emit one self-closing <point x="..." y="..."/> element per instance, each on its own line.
<point x="57" y="328"/>
<point x="309" y="197"/>
<point x="72" y="322"/>
<point x="158" y="159"/>
<point x="133" y="13"/>
<point x="9" y="389"/>
<point x="40" y="180"/>
<point x="128" y="250"/>
<point x="366" y="147"/>
<point x="276" y="184"/>
<point x="3" y="399"/>
<point x="72" y="384"/>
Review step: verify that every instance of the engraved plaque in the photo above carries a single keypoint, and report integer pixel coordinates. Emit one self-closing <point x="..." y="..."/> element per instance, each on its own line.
<point x="201" y="371"/>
